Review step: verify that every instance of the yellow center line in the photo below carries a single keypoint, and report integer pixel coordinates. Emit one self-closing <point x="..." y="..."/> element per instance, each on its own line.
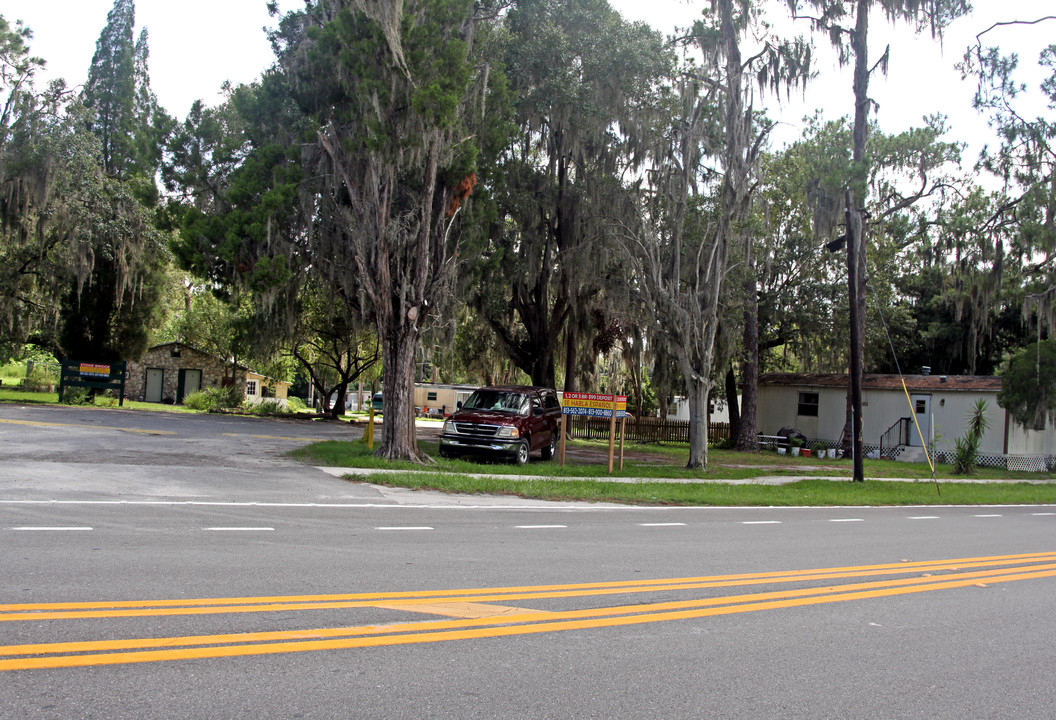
<point x="468" y="610"/>
<point x="58" y="611"/>
<point x="496" y="618"/>
<point x="37" y="423"/>
<point x="552" y="622"/>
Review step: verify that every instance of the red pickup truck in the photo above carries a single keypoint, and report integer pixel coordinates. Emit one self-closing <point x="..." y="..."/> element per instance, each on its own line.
<point x="508" y="421"/>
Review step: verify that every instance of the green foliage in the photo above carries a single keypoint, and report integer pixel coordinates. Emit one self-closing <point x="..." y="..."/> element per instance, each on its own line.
<point x="1028" y="385"/>
<point x="39" y="379"/>
<point x="79" y="253"/>
<point x="77" y="396"/>
<point x="215" y="398"/>
<point x="583" y="88"/>
<point x="1018" y="227"/>
<point x="265" y="408"/>
<point x="966" y="447"/>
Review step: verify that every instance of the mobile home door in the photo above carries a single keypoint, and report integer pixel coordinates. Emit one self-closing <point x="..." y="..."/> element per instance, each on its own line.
<point x="922" y="411"/>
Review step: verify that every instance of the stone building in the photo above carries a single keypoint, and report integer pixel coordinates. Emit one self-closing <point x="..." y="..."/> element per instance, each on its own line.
<point x="171" y="371"/>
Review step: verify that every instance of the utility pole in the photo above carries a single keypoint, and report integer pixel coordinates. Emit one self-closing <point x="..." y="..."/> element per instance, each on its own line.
<point x="854" y="292"/>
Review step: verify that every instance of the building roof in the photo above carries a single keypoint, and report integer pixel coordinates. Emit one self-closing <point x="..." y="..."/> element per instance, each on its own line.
<point x="259" y="376"/>
<point x="943" y="383"/>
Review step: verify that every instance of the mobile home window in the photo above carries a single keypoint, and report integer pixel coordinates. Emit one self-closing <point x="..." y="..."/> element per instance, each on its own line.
<point x="808" y="404"/>
<point x="431" y="396"/>
<point x="251" y="387"/>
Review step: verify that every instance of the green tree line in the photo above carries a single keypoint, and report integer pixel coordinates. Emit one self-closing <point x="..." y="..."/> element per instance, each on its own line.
<point x="530" y="191"/>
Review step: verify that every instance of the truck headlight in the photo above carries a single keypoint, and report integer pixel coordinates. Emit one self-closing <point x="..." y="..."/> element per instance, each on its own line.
<point x="508" y="431"/>
<point x="449" y="427"/>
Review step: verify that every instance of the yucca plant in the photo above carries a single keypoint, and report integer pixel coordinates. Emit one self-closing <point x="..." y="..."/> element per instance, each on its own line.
<point x="966" y="448"/>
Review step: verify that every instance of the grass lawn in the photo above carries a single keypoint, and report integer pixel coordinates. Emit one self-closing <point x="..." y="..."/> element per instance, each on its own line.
<point x="588" y="481"/>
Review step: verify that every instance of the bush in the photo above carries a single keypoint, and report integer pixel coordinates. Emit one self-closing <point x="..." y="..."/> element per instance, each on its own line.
<point x="295" y="404"/>
<point x="214" y="398"/>
<point x="76" y="396"/>
<point x="38" y="380"/>
<point x="966" y="449"/>
<point x="264" y="408"/>
<point x="965" y="455"/>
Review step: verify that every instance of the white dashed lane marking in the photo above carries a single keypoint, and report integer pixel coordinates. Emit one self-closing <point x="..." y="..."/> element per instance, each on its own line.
<point x="539" y="527"/>
<point x="240" y="529"/>
<point x="405" y="527"/>
<point x="847" y="520"/>
<point x="761" y="522"/>
<point x="53" y="529"/>
<point x="672" y="524"/>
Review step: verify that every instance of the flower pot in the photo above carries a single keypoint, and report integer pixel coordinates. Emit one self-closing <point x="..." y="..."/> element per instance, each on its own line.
<point x="795" y="452"/>
<point x="805" y="452"/>
<point x="832" y="453"/>
<point x="781" y="451"/>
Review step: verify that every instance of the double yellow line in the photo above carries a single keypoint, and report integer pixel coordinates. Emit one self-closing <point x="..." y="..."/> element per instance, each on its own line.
<point x="506" y="622"/>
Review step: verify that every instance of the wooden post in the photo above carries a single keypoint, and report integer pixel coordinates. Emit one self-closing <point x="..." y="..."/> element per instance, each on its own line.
<point x="612" y="433"/>
<point x="370" y="429"/>
<point x="623" y="432"/>
<point x="564" y="431"/>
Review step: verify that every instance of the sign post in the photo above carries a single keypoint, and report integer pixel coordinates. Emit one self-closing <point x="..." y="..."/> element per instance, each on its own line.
<point x="564" y="434"/>
<point x="609" y="407"/>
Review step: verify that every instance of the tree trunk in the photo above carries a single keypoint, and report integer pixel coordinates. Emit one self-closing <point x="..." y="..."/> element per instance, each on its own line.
<point x="732" y="406"/>
<point x="697" y="394"/>
<point x="747" y="437"/>
<point x="856" y="237"/>
<point x="338" y="394"/>
<point x="399" y="439"/>
<point x="570" y="359"/>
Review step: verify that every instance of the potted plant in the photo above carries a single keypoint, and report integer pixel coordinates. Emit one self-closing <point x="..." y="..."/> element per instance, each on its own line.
<point x="819" y="449"/>
<point x="796" y="444"/>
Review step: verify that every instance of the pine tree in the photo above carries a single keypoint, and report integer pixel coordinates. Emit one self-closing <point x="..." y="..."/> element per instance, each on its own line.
<point x="113" y="294"/>
<point x="109" y="92"/>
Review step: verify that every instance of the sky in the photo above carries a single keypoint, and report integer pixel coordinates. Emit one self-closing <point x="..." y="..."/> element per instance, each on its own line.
<point x="195" y="45"/>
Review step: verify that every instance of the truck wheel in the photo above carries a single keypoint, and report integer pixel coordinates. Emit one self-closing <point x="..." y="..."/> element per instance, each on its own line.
<point x="523" y="450"/>
<point x="550" y="450"/>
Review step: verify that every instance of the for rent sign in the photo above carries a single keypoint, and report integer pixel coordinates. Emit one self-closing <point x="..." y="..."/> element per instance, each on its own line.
<point x="593" y="405"/>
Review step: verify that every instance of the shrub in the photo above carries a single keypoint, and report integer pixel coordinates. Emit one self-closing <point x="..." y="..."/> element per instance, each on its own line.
<point x="295" y="404"/>
<point x="76" y="396"/>
<point x="965" y="455"/>
<point x="214" y="398"/>
<point x="966" y="449"/>
<point x="264" y="407"/>
<point x="38" y="380"/>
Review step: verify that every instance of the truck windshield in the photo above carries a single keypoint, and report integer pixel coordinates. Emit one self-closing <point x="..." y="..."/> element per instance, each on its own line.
<point x="498" y="400"/>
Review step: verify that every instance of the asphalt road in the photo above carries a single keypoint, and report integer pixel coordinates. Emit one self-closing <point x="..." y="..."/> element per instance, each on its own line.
<point x="171" y="566"/>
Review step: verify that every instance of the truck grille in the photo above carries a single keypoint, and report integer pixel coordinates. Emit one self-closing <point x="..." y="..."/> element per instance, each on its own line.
<point x="477" y="430"/>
